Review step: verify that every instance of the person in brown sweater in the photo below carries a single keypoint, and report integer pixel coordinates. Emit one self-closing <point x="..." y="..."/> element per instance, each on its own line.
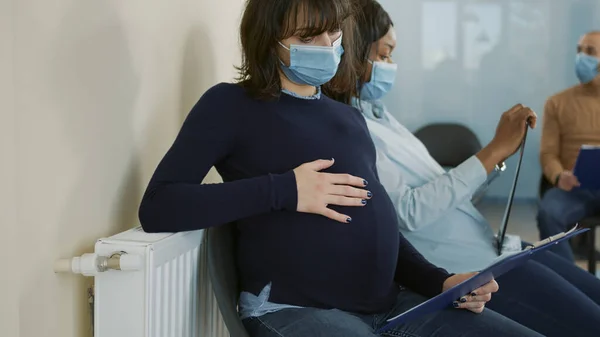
<point x="571" y="119"/>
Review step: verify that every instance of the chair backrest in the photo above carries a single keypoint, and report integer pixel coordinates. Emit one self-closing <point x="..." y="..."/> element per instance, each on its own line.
<point x="449" y="144"/>
<point x="223" y="275"/>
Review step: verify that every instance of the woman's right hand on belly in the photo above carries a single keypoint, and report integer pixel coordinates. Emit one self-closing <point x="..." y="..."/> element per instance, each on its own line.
<point x="317" y="190"/>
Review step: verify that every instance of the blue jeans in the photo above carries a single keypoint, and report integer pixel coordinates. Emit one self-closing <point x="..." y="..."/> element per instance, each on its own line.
<point x="551" y="296"/>
<point x="310" y="322"/>
<point x="560" y="210"/>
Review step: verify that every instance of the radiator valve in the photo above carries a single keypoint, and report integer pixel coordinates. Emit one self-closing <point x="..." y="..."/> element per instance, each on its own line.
<point x="92" y="264"/>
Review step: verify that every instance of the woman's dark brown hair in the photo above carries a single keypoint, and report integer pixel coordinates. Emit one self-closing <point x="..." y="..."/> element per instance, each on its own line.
<point x="373" y="23"/>
<point x="266" y="22"/>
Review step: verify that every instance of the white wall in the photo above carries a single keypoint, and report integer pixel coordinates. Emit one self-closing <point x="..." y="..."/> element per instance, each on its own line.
<point x="468" y="61"/>
<point x="101" y="89"/>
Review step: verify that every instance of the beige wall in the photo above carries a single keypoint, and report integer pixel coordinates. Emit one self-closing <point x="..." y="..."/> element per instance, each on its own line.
<point x="9" y="322"/>
<point x="100" y="91"/>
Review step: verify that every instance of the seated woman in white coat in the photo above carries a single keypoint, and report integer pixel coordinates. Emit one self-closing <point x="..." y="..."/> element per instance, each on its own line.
<point x="548" y="294"/>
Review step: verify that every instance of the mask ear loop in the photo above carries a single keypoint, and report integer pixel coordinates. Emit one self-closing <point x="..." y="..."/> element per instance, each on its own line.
<point x="337" y="42"/>
<point x="286" y="48"/>
<point x="281" y="44"/>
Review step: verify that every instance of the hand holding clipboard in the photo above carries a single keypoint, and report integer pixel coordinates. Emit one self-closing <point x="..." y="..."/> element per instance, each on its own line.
<point x="511" y="129"/>
<point x="504" y="225"/>
<point x="500" y="266"/>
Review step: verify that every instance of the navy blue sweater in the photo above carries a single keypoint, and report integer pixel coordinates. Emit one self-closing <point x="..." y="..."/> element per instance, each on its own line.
<point x="311" y="260"/>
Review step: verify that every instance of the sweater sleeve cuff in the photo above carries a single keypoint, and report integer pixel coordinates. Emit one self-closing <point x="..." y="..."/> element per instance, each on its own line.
<point x="284" y="192"/>
<point x="551" y="167"/>
<point x="553" y="175"/>
<point x="438" y="277"/>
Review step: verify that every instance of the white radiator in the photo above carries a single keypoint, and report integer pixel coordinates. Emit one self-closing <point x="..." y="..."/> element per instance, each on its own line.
<point x="161" y="290"/>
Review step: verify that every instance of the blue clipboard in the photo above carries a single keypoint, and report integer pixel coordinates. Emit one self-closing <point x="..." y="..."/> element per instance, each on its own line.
<point x="504" y="225"/>
<point x="496" y="269"/>
<point x="587" y="167"/>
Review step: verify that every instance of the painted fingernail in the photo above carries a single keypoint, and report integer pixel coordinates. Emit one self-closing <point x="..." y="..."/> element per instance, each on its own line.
<point x="365" y="182"/>
<point x="473" y="294"/>
<point x="463" y="299"/>
<point x="369" y="194"/>
<point x="456" y="304"/>
<point x="364" y="202"/>
<point x="349" y="220"/>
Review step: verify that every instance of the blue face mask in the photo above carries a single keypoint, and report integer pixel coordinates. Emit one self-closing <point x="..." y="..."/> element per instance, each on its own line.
<point x="313" y="65"/>
<point x="586" y="67"/>
<point x="383" y="76"/>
